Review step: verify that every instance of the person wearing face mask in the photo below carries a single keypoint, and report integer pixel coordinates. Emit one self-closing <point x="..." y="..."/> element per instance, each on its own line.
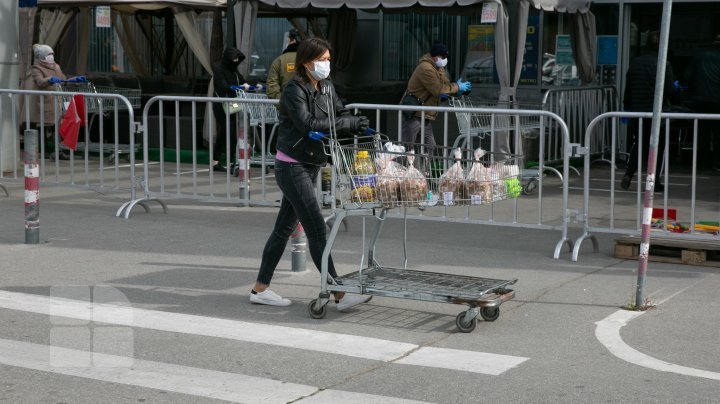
<point x="45" y="74"/>
<point x="309" y="106"/>
<point x="225" y="77"/>
<point x="428" y="82"/>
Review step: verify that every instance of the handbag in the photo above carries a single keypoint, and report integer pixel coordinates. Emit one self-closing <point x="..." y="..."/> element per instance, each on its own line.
<point x="409" y="99"/>
<point x="232" y="107"/>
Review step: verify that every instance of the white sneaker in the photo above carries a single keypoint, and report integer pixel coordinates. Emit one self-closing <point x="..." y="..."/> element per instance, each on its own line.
<point x="270" y="298"/>
<point x="349" y="301"/>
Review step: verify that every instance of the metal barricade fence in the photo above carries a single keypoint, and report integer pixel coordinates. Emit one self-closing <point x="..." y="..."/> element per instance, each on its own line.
<point x="86" y="167"/>
<point x="619" y="211"/>
<point x="177" y="166"/>
<point x="578" y="106"/>
<point x="548" y="209"/>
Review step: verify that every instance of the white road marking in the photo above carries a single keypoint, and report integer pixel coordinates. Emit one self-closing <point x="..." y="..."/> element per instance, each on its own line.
<point x="608" y="333"/>
<point x="298" y="338"/>
<point x="347" y="397"/>
<point x="168" y="377"/>
<point x="478" y="362"/>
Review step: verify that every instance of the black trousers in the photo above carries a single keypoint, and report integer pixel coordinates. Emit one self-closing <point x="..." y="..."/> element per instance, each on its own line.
<point x="221" y="140"/>
<point x="634" y="128"/>
<point x="296" y="181"/>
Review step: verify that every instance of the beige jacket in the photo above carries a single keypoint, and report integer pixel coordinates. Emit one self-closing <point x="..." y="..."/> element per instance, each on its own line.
<point x="41" y="74"/>
<point x="428" y="82"/>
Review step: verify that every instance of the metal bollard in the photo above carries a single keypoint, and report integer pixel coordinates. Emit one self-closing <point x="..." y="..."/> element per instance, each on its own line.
<point x="299" y="246"/>
<point x="32" y="188"/>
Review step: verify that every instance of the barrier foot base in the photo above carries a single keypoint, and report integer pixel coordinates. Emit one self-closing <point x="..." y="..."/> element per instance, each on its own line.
<point x="578" y="243"/>
<point x="127" y="207"/>
<point x="2" y="187"/>
<point x="559" y="245"/>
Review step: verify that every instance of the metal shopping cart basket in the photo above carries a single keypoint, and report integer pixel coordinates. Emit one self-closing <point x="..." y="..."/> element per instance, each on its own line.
<point x="477" y="125"/>
<point x="372" y="178"/>
<point x="95" y="106"/>
<point x="258" y="116"/>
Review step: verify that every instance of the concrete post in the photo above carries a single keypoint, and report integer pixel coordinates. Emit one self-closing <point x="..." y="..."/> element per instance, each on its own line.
<point x="299" y="248"/>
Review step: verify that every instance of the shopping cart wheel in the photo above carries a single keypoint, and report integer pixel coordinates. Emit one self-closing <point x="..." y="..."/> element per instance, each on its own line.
<point x="530" y="187"/>
<point x="490" y="313"/>
<point x="315" y="313"/>
<point x="235" y="170"/>
<point x="463" y="325"/>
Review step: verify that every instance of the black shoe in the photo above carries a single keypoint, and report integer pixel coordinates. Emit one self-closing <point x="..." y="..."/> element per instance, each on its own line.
<point x="625" y="183"/>
<point x="219" y="167"/>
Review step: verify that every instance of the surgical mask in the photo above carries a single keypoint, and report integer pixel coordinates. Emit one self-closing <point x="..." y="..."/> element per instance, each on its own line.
<point x="441" y="62"/>
<point x="322" y="70"/>
<point x="50" y="58"/>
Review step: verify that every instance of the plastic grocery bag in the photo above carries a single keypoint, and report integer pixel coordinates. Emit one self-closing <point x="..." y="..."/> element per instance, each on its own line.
<point x="413" y="185"/>
<point x="478" y="185"/>
<point x="452" y="183"/>
<point x="72" y="121"/>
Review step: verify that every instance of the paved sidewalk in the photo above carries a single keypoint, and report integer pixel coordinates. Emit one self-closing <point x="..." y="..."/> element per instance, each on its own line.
<point x="197" y="260"/>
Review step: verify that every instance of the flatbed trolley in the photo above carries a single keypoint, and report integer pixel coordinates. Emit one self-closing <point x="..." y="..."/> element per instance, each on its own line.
<point x="396" y="185"/>
<point x="95" y="106"/>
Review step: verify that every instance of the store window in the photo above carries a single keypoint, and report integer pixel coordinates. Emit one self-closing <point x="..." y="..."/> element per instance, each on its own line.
<point x="407" y="36"/>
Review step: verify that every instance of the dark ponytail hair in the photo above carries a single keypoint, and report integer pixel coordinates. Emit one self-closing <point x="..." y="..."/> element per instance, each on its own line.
<point x="309" y="50"/>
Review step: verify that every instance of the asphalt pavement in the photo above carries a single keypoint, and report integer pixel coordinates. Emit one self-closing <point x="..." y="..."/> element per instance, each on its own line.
<point x="155" y="309"/>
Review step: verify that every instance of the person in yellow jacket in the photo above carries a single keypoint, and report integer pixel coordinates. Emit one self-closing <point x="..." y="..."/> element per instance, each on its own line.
<point x="283" y="67"/>
<point x="428" y="82"/>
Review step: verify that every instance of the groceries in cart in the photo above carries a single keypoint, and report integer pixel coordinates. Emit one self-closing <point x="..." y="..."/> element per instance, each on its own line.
<point x="387" y="185"/>
<point x="363" y="177"/>
<point x="452" y="182"/>
<point x="413" y="185"/>
<point x="478" y="186"/>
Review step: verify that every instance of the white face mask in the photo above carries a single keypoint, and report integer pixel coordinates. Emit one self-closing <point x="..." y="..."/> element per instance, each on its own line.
<point x="441" y="62"/>
<point x="322" y="70"/>
<point x="50" y="58"/>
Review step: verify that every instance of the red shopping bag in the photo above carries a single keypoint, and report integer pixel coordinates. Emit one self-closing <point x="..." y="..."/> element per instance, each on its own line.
<point x="72" y="121"/>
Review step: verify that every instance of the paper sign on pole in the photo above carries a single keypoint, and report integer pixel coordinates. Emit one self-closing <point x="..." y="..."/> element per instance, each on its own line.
<point x="102" y="17"/>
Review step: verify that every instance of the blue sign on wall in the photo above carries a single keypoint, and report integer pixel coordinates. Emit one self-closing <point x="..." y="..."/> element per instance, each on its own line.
<point x="607" y="46"/>
<point x="28" y="3"/>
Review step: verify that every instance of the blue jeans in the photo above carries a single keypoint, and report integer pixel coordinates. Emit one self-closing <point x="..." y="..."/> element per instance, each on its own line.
<point x="298" y="203"/>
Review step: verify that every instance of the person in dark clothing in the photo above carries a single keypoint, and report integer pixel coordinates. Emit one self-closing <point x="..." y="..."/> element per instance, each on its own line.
<point x="639" y="97"/>
<point x="225" y="77"/>
<point x="703" y="80"/>
<point x="309" y="108"/>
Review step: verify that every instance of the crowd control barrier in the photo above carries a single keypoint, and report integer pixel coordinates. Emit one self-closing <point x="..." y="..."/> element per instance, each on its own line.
<point x="104" y="158"/>
<point x="545" y="209"/>
<point x="688" y="200"/>
<point x="178" y="160"/>
<point x="578" y="106"/>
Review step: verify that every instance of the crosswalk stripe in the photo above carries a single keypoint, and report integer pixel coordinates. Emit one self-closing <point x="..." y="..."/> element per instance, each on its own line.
<point x="297" y="338"/>
<point x="175" y="378"/>
<point x="479" y="362"/>
<point x="342" y="344"/>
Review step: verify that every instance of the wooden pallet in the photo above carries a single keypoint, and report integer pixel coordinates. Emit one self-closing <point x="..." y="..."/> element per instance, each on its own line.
<point x="671" y="250"/>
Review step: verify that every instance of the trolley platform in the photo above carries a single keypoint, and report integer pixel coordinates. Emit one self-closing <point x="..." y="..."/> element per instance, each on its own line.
<point x="399" y="179"/>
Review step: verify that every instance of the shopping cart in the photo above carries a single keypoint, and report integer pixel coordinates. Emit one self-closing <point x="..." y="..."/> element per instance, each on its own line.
<point x="372" y="177"/>
<point x="95" y="106"/>
<point x="477" y="125"/>
<point x="259" y="115"/>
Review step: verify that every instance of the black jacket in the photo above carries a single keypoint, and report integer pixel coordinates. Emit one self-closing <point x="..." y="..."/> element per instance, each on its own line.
<point x="640" y="84"/>
<point x="225" y="73"/>
<point x="303" y="109"/>
<point x="703" y="77"/>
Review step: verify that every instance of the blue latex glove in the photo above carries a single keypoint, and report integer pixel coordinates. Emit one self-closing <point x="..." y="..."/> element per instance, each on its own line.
<point x="463" y="86"/>
<point x="314" y="135"/>
<point x="54" y="80"/>
<point x="78" y="79"/>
